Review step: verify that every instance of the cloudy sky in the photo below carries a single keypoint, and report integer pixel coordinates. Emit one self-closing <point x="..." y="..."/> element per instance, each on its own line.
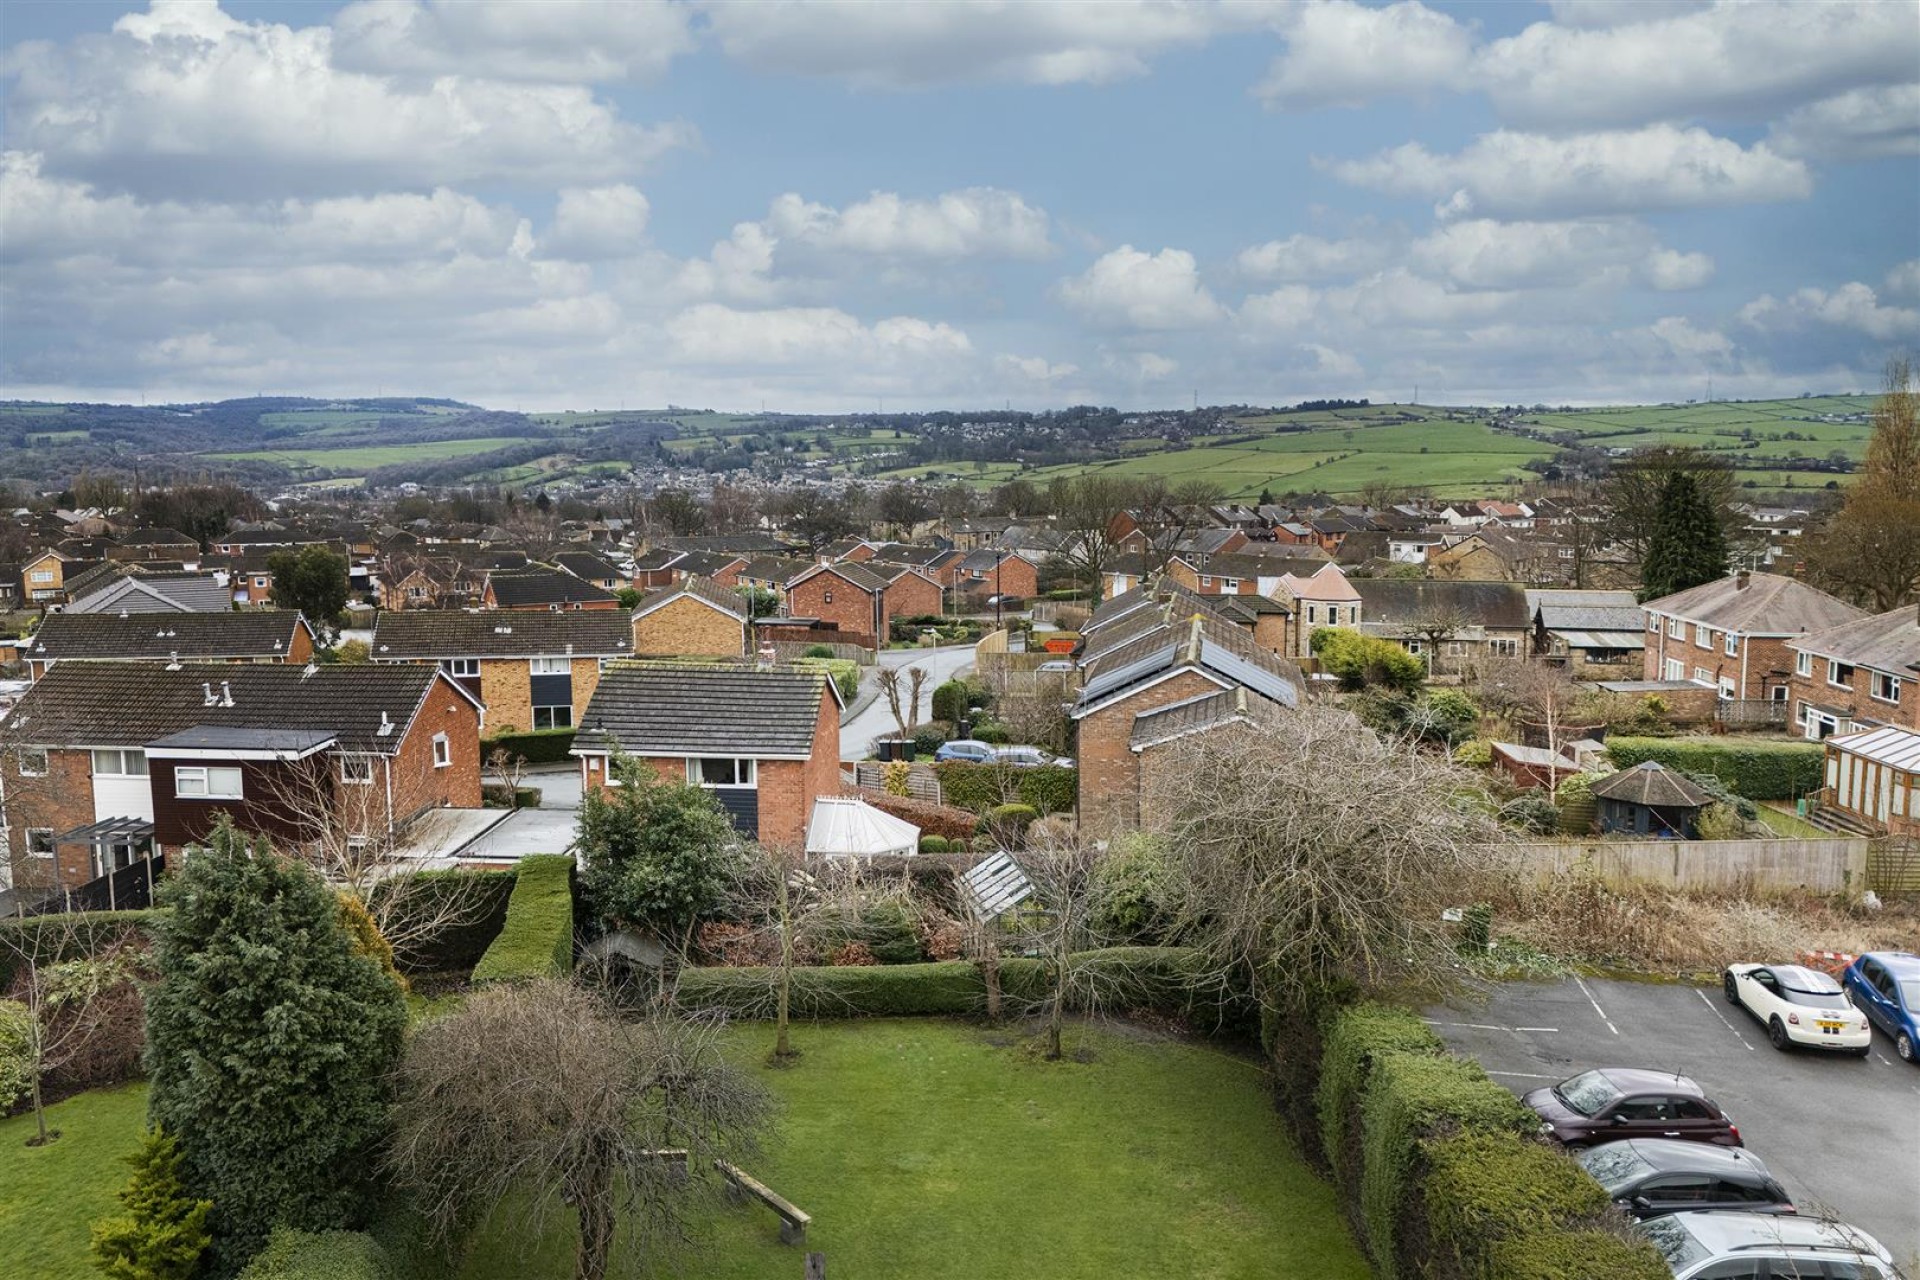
<point x="824" y="205"/>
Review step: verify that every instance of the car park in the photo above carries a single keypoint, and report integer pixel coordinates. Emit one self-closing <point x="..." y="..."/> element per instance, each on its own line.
<point x="1799" y="1006"/>
<point x="1610" y="1103"/>
<point x="1649" y="1177"/>
<point x="966" y="750"/>
<point x="1030" y="758"/>
<point x="1717" y="1245"/>
<point x="1886" y="987"/>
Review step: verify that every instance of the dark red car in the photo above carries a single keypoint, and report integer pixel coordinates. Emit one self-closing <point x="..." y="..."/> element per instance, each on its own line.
<point x="1608" y="1103"/>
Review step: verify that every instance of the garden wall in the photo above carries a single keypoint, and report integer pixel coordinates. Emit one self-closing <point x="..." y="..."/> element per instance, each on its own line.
<point x="1824" y="866"/>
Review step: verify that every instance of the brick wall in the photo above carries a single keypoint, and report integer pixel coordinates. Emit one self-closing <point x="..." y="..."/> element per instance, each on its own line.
<point x="688" y="626"/>
<point x="1757" y="666"/>
<point x="416" y="783"/>
<point x="1109" y="770"/>
<point x="1270" y="631"/>
<point x="1016" y="577"/>
<point x="586" y="678"/>
<point x="508" y="695"/>
<point x="60" y="801"/>
<point x="300" y="649"/>
<point x="849" y="606"/>
<point x="1856" y="700"/>
<point x="911" y="596"/>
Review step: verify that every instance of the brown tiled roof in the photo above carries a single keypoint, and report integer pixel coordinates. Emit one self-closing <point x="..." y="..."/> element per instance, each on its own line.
<point x="1887" y="642"/>
<point x="857" y="574"/>
<point x="132" y="703"/>
<point x="414" y="634"/>
<point x="668" y="709"/>
<point x="256" y="633"/>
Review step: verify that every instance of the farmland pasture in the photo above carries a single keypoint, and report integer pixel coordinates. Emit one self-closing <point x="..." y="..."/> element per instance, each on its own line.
<point x="367" y="457"/>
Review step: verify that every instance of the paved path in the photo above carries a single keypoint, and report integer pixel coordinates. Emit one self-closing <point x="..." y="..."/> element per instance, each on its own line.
<point x="1838" y="1131"/>
<point x="876" y="721"/>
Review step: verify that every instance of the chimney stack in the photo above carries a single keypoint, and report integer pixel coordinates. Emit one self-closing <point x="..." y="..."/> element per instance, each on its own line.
<point x="1740" y="580"/>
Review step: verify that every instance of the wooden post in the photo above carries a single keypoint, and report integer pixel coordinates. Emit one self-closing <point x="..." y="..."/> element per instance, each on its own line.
<point x="816" y="1266"/>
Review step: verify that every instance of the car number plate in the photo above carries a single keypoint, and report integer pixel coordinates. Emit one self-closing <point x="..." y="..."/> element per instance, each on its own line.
<point x="1832" y="1026"/>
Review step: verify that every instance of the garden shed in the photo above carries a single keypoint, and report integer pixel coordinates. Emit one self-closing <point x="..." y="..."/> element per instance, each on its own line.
<point x="1649" y="799"/>
<point x="847" y="827"/>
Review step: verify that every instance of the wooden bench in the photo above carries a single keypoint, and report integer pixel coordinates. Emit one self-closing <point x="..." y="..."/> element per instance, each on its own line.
<point x="675" y="1158"/>
<point x="741" y="1185"/>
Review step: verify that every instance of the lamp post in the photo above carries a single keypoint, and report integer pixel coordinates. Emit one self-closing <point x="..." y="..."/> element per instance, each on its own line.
<point x="999" y="555"/>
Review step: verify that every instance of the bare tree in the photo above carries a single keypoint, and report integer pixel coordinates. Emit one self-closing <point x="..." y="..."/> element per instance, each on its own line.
<point x="1540" y="695"/>
<point x="1085" y="509"/>
<point x="1432" y="626"/>
<point x="1060" y="925"/>
<point x="916" y="682"/>
<point x="537" y="1096"/>
<point x="902" y="686"/>
<point x="1165" y="515"/>
<point x="1311" y="856"/>
<point x="509" y="769"/>
<point x="77" y="988"/>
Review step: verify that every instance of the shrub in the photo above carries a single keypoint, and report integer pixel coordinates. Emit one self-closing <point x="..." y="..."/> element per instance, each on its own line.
<point x="445" y="920"/>
<point x="1574" y="1254"/>
<point x="934" y="844"/>
<point x="1361" y="660"/>
<point x="1355" y="1039"/>
<point x="163" y="1232"/>
<point x="1444" y="715"/>
<point x="366" y="936"/>
<point x="895" y="776"/>
<point x="107" y="1011"/>
<point x="320" y="1255"/>
<point x="905" y="990"/>
<point x="16" y="1059"/>
<point x="537" y="939"/>
<point x="933" y="819"/>
<point x="93" y="932"/>
<point x="1532" y="811"/>
<point x="887" y="931"/>
<point x="1474" y="752"/>
<point x="950" y="701"/>
<point x="535" y="746"/>
<point x="1009" y="822"/>
<point x="1132" y="893"/>
<point x="844" y="672"/>
<point x="989" y="731"/>
<point x="929" y="738"/>
<point x="497" y="795"/>
<point x="818" y="651"/>
<point x="1049" y="788"/>
<point x="1758" y="770"/>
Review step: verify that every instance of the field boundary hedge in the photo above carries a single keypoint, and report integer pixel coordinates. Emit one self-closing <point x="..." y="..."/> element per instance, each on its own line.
<point x="1756" y="770"/>
<point x="536" y="941"/>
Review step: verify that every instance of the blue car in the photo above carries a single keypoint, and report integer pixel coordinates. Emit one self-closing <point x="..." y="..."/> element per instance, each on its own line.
<point x="968" y="750"/>
<point x="1886" y="987"/>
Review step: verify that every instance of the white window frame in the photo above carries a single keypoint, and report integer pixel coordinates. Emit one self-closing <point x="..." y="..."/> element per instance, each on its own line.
<point x="1834" y="666"/>
<point x="42" y="575"/>
<point x="1876" y="680"/>
<point x="1703" y="675"/>
<point x="696" y="775"/>
<point x="545" y="665"/>
<point x="442" y="751"/>
<point x="1803" y="663"/>
<point x="47" y="852"/>
<point x="362" y="764"/>
<point x="184" y="774"/>
<point x="1702" y="636"/>
<point x="1206" y="579"/>
<point x="29" y="753"/>
<point x="458" y="667"/>
<point x="1676" y="629"/>
<point x="1230" y="585"/>
<point x="561" y="708"/>
<point x="1653" y="624"/>
<point x="120" y="769"/>
<point x="1731" y="644"/>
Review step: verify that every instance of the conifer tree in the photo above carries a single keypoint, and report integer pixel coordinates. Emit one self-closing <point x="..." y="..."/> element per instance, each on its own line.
<point x="163" y="1233"/>
<point x="1688" y="546"/>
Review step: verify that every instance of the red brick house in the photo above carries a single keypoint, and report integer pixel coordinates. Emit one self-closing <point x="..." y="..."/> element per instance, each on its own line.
<point x="1858" y="675"/>
<point x="1732" y="633"/>
<point x="265" y="635"/>
<point x="102" y="761"/>
<point x="528" y="670"/>
<point x="860" y="602"/>
<point x="764" y="740"/>
<point x="991" y="572"/>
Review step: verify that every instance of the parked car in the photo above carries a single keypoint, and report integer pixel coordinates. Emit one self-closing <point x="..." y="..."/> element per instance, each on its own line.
<point x="1799" y="1006"/>
<point x="1886" y="986"/>
<point x="1733" y="1246"/>
<point x="969" y="750"/>
<point x="1030" y="758"/>
<point x="1649" y="1177"/>
<point x="1055" y="667"/>
<point x="1610" y="1103"/>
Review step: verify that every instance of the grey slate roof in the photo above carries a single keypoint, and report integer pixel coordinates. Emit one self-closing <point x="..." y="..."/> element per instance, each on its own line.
<point x="853" y="572"/>
<point x="1196" y="715"/>
<point x="255" y="633"/>
<point x="104" y="704"/>
<point x="703" y="589"/>
<point x="1396" y="603"/>
<point x="1653" y="784"/>
<point x="1887" y="642"/>
<point x="540" y="585"/>
<point x="668" y="709"/>
<point x="584" y="564"/>
<point x="415" y="634"/>
<point x="1767" y="605"/>
<point x="1586" y="610"/>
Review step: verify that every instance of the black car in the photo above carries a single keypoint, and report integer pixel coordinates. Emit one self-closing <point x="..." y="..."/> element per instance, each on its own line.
<point x="1610" y="1104"/>
<point x="1649" y="1177"/>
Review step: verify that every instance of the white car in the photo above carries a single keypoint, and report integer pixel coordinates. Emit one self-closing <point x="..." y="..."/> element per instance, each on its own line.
<point x="1799" y="1006"/>
<point x="1719" y="1245"/>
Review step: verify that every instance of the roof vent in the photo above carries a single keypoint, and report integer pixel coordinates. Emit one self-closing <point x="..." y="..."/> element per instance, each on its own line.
<point x="503" y="631"/>
<point x="226" y="694"/>
<point x="386" y="727"/>
<point x="173" y="661"/>
<point x="308" y="670"/>
<point x="208" y="698"/>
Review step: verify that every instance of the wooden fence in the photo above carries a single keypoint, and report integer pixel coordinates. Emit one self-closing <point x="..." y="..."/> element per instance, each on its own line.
<point x="1750" y="713"/>
<point x="1824" y="866"/>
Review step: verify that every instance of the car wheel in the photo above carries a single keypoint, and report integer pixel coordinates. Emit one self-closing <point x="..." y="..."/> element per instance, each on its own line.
<point x="1777" y="1032"/>
<point x="1733" y="991"/>
<point x="1574" y="1148"/>
<point x="1904" y="1047"/>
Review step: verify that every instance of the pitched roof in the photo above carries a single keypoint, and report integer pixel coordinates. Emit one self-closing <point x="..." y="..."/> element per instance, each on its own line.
<point x="583" y="564"/>
<point x="413" y="634"/>
<point x="539" y="585"/>
<point x="134" y="703"/>
<point x="1763" y="604"/>
<point x="1396" y="604"/>
<point x="1653" y="784"/>
<point x="1325" y="583"/>
<point x="144" y="589"/>
<point x="705" y="590"/>
<point x="1885" y="641"/>
<point x="1890" y="745"/>
<point x="1196" y="715"/>
<point x="256" y="633"/>
<point x="683" y="709"/>
<point x="1585" y="610"/>
<point x="1197" y="640"/>
<point x="855" y="574"/>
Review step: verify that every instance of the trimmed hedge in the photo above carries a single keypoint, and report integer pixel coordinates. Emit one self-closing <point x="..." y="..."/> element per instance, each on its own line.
<point x="1355" y="1041"/>
<point x="853" y="991"/>
<point x="979" y="787"/>
<point x="496" y="795"/>
<point x="320" y="1255"/>
<point x="424" y="895"/>
<point x="1755" y="770"/>
<point x="844" y="672"/>
<point x="536" y="746"/>
<point x="943" y="820"/>
<point x="92" y="930"/>
<point x="537" y="938"/>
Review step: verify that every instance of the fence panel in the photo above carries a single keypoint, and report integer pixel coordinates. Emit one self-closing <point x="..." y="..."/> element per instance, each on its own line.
<point x="1825" y="866"/>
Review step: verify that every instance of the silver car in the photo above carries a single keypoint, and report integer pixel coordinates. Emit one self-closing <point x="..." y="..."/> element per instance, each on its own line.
<point x="1720" y="1245"/>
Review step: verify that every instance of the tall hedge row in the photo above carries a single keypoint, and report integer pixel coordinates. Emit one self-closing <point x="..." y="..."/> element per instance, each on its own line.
<point x="476" y="900"/>
<point x="980" y="787"/>
<point x="1757" y="770"/>
<point x="1441" y="1173"/>
<point x="536" y="746"/>
<point x="537" y="939"/>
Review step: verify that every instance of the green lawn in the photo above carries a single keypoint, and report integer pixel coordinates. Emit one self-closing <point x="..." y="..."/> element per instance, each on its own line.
<point x="49" y="1196"/>
<point x="926" y="1149"/>
<point x="368" y="457"/>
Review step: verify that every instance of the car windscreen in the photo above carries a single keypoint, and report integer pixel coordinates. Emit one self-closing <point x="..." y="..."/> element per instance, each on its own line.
<point x="1615" y="1166"/>
<point x="1814" y="999"/>
<point x="1674" y="1242"/>
<point x="1589" y="1093"/>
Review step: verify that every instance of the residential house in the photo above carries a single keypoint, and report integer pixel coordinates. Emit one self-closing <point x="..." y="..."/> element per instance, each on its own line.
<point x="721" y="567"/>
<point x="1324" y="598"/>
<point x="154" y="544"/>
<point x="993" y="572"/>
<point x="1495" y="555"/>
<point x="764" y="740"/>
<point x="264" y="635"/>
<point x="590" y="568"/>
<point x="542" y="587"/>
<point x="1732" y="633"/>
<point x="1266" y="620"/>
<point x="771" y="574"/>
<point x="861" y="602"/>
<point x="1858" y="675"/>
<point x="1595" y="635"/>
<point x="693" y="618"/>
<point x="527" y="670"/>
<point x="125" y="588"/>
<point x="1456" y="627"/>
<point x="43" y="576"/>
<point x="102" y="762"/>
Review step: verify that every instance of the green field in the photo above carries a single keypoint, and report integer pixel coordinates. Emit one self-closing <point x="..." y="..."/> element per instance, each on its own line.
<point x="367" y="457"/>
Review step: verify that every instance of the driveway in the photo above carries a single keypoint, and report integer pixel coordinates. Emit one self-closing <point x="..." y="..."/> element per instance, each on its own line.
<point x="1842" y="1132"/>
<point x="874" y="720"/>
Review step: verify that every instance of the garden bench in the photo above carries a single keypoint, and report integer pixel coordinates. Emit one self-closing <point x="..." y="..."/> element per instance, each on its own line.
<point x="740" y="1185"/>
<point x="675" y="1158"/>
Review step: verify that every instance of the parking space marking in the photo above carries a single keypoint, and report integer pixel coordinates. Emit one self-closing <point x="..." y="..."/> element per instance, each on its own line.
<point x="1723" y="1018"/>
<point x="1596" y="1005"/>
<point x="1522" y="1075"/>
<point x="1487" y="1026"/>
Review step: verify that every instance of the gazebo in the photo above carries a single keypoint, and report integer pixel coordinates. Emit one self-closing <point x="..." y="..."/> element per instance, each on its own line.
<point x="1649" y="799"/>
<point x="847" y="827"/>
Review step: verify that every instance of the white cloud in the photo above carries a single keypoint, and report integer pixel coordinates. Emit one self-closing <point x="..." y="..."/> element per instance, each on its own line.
<point x="1484" y="254"/>
<point x="1343" y="54"/>
<point x="555" y="41"/>
<point x="1861" y="124"/>
<point x="1127" y="288"/>
<point x="1309" y="257"/>
<point x="1612" y="13"/>
<point x="591" y="223"/>
<point x="1331" y="363"/>
<point x="1670" y="270"/>
<point x="1508" y="174"/>
<point x="713" y="334"/>
<point x="1684" y="338"/>
<point x="1736" y="58"/>
<point x="185" y="99"/>
<point x="929" y="42"/>
<point x="1904" y="280"/>
<point x="976" y="222"/>
<point x="1852" y="306"/>
<point x="1288" y="308"/>
<point x="1036" y="369"/>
